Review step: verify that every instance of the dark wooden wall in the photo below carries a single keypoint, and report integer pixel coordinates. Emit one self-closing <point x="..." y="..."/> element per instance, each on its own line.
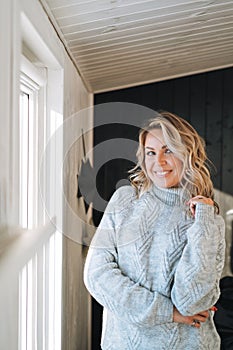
<point x="205" y="100"/>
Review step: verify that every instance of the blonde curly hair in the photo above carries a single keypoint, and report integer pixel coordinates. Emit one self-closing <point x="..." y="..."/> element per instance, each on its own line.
<point x="184" y="141"/>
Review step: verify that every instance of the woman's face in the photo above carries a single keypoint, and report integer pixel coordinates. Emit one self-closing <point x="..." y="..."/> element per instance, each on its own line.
<point x="163" y="168"/>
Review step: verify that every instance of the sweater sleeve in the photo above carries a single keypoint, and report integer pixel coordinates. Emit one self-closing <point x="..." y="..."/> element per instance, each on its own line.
<point x="196" y="282"/>
<point x="127" y="299"/>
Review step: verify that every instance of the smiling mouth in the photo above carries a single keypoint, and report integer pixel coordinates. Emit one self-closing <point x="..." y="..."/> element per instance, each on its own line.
<point x="162" y="173"/>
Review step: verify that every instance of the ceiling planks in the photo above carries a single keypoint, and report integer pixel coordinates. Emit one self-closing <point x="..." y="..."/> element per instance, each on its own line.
<point x="121" y="43"/>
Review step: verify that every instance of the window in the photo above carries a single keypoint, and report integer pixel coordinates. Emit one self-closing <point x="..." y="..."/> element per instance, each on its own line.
<point x="40" y="279"/>
<point x="28" y="152"/>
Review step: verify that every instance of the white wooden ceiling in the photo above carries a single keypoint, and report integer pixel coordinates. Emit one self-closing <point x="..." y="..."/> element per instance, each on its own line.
<point x="121" y="43"/>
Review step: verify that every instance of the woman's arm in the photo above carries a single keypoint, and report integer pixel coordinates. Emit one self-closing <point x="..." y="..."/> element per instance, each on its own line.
<point x="116" y="291"/>
<point x="196" y="283"/>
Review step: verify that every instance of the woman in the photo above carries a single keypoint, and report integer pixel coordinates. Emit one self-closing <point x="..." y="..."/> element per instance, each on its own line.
<point x="157" y="256"/>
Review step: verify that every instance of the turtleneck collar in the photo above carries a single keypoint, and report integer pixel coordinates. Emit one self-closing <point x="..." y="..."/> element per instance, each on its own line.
<point x="171" y="196"/>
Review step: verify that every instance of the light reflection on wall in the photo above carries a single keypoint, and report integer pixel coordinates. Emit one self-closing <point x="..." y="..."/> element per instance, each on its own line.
<point x="225" y="202"/>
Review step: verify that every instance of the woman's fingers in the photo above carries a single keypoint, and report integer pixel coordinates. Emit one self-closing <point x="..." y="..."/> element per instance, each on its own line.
<point x="199" y="318"/>
<point x="198" y="199"/>
<point x="194" y="321"/>
<point x="202" y="317"/>
<point x="214" y="308"/>
<point x="204" y="314"/>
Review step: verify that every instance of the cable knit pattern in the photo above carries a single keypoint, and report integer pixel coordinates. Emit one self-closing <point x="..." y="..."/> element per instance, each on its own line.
<point x="147" y="255"/>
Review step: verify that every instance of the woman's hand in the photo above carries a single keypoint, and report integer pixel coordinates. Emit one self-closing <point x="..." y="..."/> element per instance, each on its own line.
<point x="198" y="199"/>
<point x="195" y="320"/>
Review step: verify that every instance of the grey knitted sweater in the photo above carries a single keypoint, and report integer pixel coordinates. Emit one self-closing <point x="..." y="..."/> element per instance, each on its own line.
<point x="147" y="255"/>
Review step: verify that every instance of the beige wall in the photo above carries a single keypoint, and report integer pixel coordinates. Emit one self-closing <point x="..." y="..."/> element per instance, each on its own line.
<point x="76" y="301"/>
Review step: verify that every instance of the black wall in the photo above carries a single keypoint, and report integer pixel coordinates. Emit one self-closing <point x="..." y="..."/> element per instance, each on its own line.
<point x="205" y="100"/>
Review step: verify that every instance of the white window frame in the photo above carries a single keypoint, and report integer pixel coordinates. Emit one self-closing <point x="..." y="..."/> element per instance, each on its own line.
<point x="32" y="83"/>
<point x="40" y="279"/>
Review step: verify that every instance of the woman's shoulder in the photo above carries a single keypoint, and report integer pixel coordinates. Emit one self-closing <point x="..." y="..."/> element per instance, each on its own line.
<point x="124" y="192"/>
<point x="122" y="197"/>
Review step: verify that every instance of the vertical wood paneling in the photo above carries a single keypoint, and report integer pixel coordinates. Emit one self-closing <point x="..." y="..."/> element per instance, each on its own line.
<point x="227" y="129"/>
<point x="165" y="95"/>
<point x="149" y="96"/>
<point x="213" y="134"/>
<point x="197" y="102"/>
<point x="206" y="101"/>
<point x="181" y="97"/>
<point x="75" y="312"/>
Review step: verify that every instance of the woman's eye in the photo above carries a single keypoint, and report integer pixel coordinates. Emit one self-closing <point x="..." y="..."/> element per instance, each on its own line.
<point x="150" y="153"/>
<point x="168" y="151"/>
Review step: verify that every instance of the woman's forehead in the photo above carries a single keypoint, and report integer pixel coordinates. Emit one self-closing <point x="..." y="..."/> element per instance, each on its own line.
<point x="155" y="138"/>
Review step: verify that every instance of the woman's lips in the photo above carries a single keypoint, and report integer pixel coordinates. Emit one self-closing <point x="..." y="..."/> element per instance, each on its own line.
<point x="162" y="173"/>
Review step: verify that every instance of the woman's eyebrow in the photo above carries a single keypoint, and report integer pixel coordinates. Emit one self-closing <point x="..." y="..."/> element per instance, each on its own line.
<point x="164" y="146"/>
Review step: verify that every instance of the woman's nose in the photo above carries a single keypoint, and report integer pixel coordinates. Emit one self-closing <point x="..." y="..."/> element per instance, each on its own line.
<point x="160" y="159"/>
